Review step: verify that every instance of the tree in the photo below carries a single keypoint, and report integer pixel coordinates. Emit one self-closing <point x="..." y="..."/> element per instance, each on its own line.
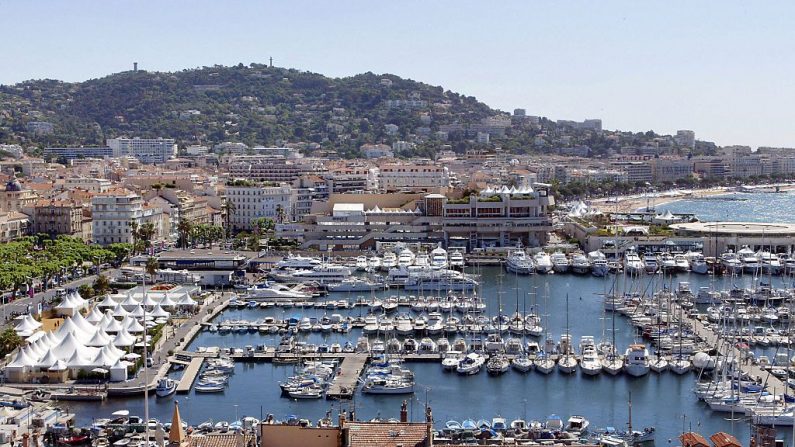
<point x="9" y="340"/>
<point x="184" y="228"/>
<point x="86" y="291"/>
<point x="101" y="285"/>
<point x="151" y="267"/>
<point x="229" y="209"/>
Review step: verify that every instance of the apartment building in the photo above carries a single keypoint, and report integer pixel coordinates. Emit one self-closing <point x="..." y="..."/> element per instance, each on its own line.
<point x="413" y="177"/>
<point x="147" y="150"/>
<point x="351" y="179"/>
<point x="76" y="153"/>
<point x="13" y="225"/>
<point x="637" y="171"/>
<point x="88" y="184"/>
<point x="56" y="217"/>
<point x="671" y="169"/>
<point x="252" y="200"/>
<point x="16" y="198"/>
<point x="265" y="168"/>
<point x="114" y="212"/>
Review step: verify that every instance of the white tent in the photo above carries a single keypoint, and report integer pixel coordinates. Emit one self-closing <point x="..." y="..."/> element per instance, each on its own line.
<point x="148" y="301"/>
<point x="78" y="300"/>
<point x="95" y="316"/>
<point x="167" y="301"/>
<point x="70" y="327"/>
<point x="120" y="311"/>
<point x="114" y="350"/>
<point x="22" y="360"/>
<point x="113" y="326"/>
<point x="25" y="328"/>
<point x="47" y="361"/>
<point x="138" y="312"/>
<point x="107" y="302"/>
<point x="129" y="303"/>
<point x="67" y="347"/>
<point x="104" y="358"/>
<point x="123" y="339"/>
<point x="79" y="359"/>
<point x="118" y="372"/>
<point x="100" y="338"/>
<point x="60" y="365"/>
<point x="186" y="301"/>
<point x="83" y="324"/>
<point x="158" y="312"/>
<point x="134" y="327"/>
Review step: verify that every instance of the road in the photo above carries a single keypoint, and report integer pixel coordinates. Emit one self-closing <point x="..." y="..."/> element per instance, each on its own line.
<point x="20" y="305"/>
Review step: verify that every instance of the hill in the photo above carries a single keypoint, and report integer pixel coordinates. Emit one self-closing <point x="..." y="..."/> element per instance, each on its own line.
<point x="256" y="105"/>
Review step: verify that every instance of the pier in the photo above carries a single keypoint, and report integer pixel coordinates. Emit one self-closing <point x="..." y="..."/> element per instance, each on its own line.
<point x="189" y="376"/>
<point x="347" y="378"/>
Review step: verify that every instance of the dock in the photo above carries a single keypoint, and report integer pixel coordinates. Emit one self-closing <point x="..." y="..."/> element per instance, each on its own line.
<point x="191" y="371"/>
<point x="347" y="378"/>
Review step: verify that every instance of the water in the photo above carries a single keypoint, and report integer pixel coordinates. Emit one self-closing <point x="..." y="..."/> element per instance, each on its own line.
<point x="759" y="207"/>
<point x="663" y="401"/>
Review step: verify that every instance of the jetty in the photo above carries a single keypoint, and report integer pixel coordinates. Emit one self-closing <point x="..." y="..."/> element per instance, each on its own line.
<point x="347" y="378"/>
<point x="189" y="376"/>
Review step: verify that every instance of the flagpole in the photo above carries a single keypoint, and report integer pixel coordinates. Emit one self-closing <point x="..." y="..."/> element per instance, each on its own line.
<point x="146" y="372"/>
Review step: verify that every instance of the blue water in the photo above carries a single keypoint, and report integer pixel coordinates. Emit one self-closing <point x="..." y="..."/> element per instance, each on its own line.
<point x="761" y="207"/>
<point x="664" y="401"/>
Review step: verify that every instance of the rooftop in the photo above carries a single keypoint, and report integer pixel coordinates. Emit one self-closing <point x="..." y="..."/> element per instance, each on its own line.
<point x="739" y="228"/>
<point x="390" y="434"/>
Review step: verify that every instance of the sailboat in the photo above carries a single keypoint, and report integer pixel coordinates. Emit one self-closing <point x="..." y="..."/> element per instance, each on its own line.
<point x="542" y="362"/>
<point x="567" y="363"/>
<point x="611" y="363"/>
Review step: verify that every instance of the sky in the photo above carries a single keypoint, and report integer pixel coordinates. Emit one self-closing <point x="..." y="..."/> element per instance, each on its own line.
<point x="720" y="68"/>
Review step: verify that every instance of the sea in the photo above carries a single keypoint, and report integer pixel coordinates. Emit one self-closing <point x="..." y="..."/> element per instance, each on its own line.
<point x="566" y="302"/>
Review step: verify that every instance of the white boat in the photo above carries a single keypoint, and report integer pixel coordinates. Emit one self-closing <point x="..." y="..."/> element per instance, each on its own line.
<point x="731" y="262"/>
<point x="439" y="258"/>
<point x="560" y="262"/>
<point x="580" y="264"/>
<point x="542" y="262"/>
<point x="439" y="280"/>
<point x="749" y="260"/>
<point x="276" y="291"/>
<point x="590" y="364"/>
<point x="612" y="365"/>
<point x="451" y="360"/>
<point x="650" y="263"/>
<point x="324" y="274"/>
<point x="387" y="385"/>
<point x="681" y="264"/>
<point x="577" y="425"/>
<point x="567" y="363"/>
<point x="658" y="364"/>
<point x="422" y="260"/>
<point x="165" y="387"/>
<point x="471" y="364"/>
<point x="636" y="361"/>
<point x="298" y="262"/>
<point x="361" y="263"/>
<point x="518" y="262"/>
<point x="522" y="363"/>
<point x="771" y="264"/>
<point x="697" y="262"/>
<point x="598" y="263"/>
<point x="389" y="261"/>
<point x="373" y="263"/>
<point x="405" y="258"/>
<point x="456" y="259"/>
<point x="498" y="364"/>
<point x="209" y="388"/>
<point x="355" y="285"/>
<point x="543" y="363"/>
<point x="681" y="365"/>
<point x="632" y="263"/>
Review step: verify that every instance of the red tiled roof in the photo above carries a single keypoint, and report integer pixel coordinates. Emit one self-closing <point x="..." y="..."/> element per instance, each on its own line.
<point x="693" y="439"/>
<point x="221" y="440"/>
<point x="723" y="439"/>
<point x="385" y="434"/>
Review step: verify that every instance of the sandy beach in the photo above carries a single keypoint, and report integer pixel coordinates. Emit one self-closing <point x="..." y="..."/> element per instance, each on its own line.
<point x="624" y="204"/>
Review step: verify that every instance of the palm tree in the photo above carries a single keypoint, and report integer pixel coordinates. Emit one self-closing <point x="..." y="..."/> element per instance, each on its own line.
<point x="151" y="267"/>
<point x="184" y="228"/>
<point x="228" y="209"/>
<point x="134" y="234"/>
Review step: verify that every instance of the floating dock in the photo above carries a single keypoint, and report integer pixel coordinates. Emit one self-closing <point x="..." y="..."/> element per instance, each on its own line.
<point x="189" y="376"/>
<point x="347" y="378"/>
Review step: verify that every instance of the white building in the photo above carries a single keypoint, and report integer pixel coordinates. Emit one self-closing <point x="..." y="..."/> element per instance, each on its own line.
<point x="377" y="151"/>
<point x="147" y="150"/>
<point x="252" y="201"/>
<point x="685" y="138"/>
<point x="113" y="211"/>
<point x="14" y="149"/>
<point x="413" y="177"/>
<point x="88" y="184"/>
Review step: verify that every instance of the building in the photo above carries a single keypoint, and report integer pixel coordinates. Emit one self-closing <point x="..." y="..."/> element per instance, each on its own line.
<point x="671" y="169"/>
<point x="113" y="212"/>
<point x="13" y="225"/>
<point x="416" y="177"/>
<point x="16" y="198"/>
<point x="88" y="184"/>
<point x="56" y="217"/>
<point x="377" y="151"/>
<point x="589" y="124"/>
<point x="265" y="168"/>
<point x="718" y="237"/>
<point x="14" y="150"/>
<point x="637" y="171"/>
<point x="147" y="150"/>
<point x="499" y="217"/>
<point x="351" y="179"/>
<point x="685" y="138"/>
<point x="252" y="200"/>
<point x="75" y="153"/>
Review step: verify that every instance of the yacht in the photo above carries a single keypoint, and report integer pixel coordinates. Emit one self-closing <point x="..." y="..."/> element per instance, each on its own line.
<point x="598" y="262"/>
<point x="667" y="263"/>
<point x="770" y="263"/>
<point x="632" y="263"/>
<point x="356" y="285"/>
<point x="542" y="262"/>
<point x="590" y="364"/>
<point x="456" y="259"/>
<point x="650" y="263"/>
<point x="580" y="264"/>
<point x="518" y="262"/>
<point x="361" y="263"/>
<point x="560" y="262"/>
<point x="166" y="387"/>
<point x="422" y="260"/>
<point x="498" y="364"/>
<point x="636" y="362"/>
<point x="451" y="360"/>
<point x="440" y="280"/>
<point x="522" y="363"/>
<point x="324" y="274"/>
<point x="405" y="258"/>
<point x="389" y="384"/>
<point x="543" y="363"/>
<point x="271" y="290"/>
<point x="731" y="263"/>
<point x="471" y="364"/>
<point x="298" y="262"/>
<point x="577" y="425"/>
<point x="389" y="261"/>
<point x="749" y="259"/>
<point x="681" y="264"/>
<point x="697" y="262"/>
<point x="439" y="258"/>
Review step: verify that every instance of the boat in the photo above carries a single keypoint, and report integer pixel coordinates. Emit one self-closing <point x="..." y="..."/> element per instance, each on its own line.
<point x="519" y="262"/>
<point x="298" y="262"/>
<point x="165" y="387"/>
<point x="667" y="263"/>
<point x="276" y="291"/>
<point x="451" y="360"/>
<point x="387" y="385"/>
<point x="209" y="388"/>
<point x="658" y="364"/>
<point x="577" y="425"/>
<point x="439" y="258"/>
<point x="323" y="274"/>
<point x="749" y="259"/>
<point x="543" y="262"/>
<point x="441" y="279"/>
<point x="680" y="365"/>
<point x="650" y="264"/>
<point x="636" y="361"/>
<point x="471" y="364"/>
<point x="731" y="263"/>
<point x="456" y="259"/>
<point x="580" y="264"/>
<point x="389" y="261"/>
<point x="590" y="364"/>
<point x="598" y="262"/>
<point x="632" y="263"/>
<point x="543" y="363"/>
<point x="405" y="258"/>
<point x="355" y="285"/>
<point x="361" y="263"/>
<point x="560" y="262"/>
<point x="681" y="264"/>
<point x="497" y="364"/>
<point x="522" y="363"/>
<point x="771" y="264"/>
<point x="698" y="263"/>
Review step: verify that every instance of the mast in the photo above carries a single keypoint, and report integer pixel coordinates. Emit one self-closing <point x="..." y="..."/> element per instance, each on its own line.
<point x="629" y="424"/>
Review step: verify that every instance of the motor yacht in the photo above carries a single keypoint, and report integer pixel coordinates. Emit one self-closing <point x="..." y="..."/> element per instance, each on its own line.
<point x="636" y="361"/>
<point x="439" y="258"/>
<point x="560" y="262"/>
<point x="580" y="264"/>
<point x="519" y="262"/>
<point x="543" y="262"/>
<point x="632" y="263"/>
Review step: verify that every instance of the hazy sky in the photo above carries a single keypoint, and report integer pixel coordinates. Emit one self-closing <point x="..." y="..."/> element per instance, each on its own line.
<point x="723" y="69"/>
